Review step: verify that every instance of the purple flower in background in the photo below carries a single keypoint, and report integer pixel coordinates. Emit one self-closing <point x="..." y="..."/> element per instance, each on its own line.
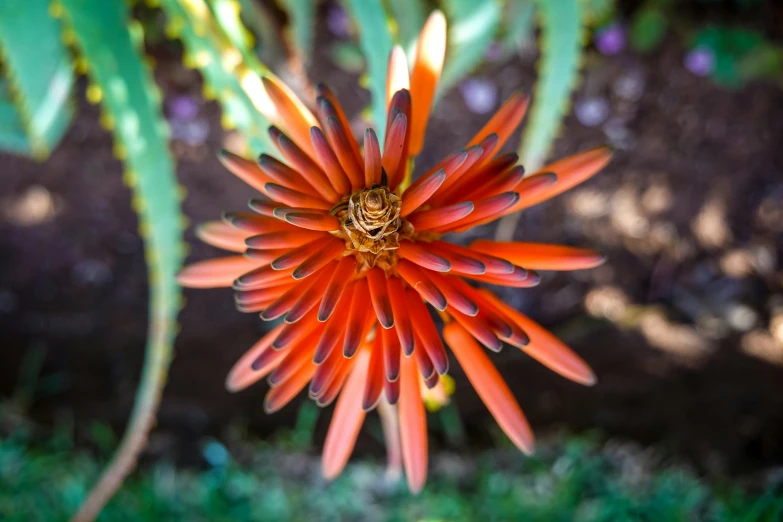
<point x="183" y="107"/>
<point x="700" y="61"/>
<point x="611" y="39"/>
<point x="480" y="95"/>
<point x="338" y="22"/>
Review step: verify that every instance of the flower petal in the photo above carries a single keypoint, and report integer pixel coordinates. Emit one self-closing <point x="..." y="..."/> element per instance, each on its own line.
<point x="222" y="235"/>
<point x="505" y="121"/>
<point x="215" y="273"/>
<point x="397" y="76"/>
<point x="539" y="256"/>
<point x="242" y="374"/>
<point x="413" y="425"/>
<point x="427" y="66"/>
<point x="346" y="421"/>
<point x="490" y="386"/>
<point x="296" y="118"/>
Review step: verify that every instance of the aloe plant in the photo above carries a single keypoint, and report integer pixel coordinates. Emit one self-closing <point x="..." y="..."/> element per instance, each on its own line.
<point x="106" y="43"/>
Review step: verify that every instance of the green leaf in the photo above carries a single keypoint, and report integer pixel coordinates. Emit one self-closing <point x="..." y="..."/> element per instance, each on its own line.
<point x="39" y="72"/>
<point x="648" y="28"/>
<point x="409" y="17"/>
<point x="472" y="28"/>
<point x="302" y="25"/>
<point x="518" y="24"/>
<point x="226" y="13"/>
<point x="376" y="43"/>
<point x="12" y="135"/>
<point x="112" y="45"/>
<point x="561" y="54"/>
<point x="230" y="74"/>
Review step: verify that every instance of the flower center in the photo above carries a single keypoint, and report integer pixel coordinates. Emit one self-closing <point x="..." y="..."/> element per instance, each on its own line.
<point x="370" y="222"/>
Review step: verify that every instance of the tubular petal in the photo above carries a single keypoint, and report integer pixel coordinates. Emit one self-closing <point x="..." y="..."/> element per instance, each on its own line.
<point x="338" y="140"/>
<point x="472" y="182"/>
<point x="313" y="220"/>
<point x="295" y="257"/>
<point x="264" y="206"/>
<point x="479" y="329"/>
<point x="519" y="278"/>
<point x="269" y="293"/>
<point x="295" y="116"/>
<point x="335" y="327"/>
<point x="450" y="164"/>
<point x="329" y="161"/>
<point x="503" y="182"/>
<point x="460" y="263"/>
<point x="546" y="348"/>
<point x="490" y="386"/>
<point x="402" y="319"/>
<point x="456" y="299"/>
<point x="414" y="197"/>
<point x="312" y="295"/>
<point x="253" y="223"/>
<point x="294" y="198"/>
<point x="418" y="280"/>
<point x="324" y="92"/>
<point x="394" y="145"/>
<point x="426" y="333"/>
<point x="427" y="66"/>
<point x="335" y="383"/>
<point x="346" y="267"/>
<point x="472" y="154"/>
<point x="242" y="374"/>
<point x="298" y="330"/>
<point x="495" y="265"/>
<point x="244" y="169"/>
<point x="413" y="425"/>
<point x="397" y="77"/>
<point x="391" y="390"/>
<point x="539" y="256"/>
<point x="327" y="370"/>
<point x="260" y="277"/>
<point x="357" y="318"/>
<point x="281" y="395"/>
<point x="215" y="273"/>
<point x="346" y="421"/>
<point x="505" y="121"/>
<point x="222" y="235"/>
<point x="296" y="357"/>
<point x="284" y="303"/>
<point x="318" y="260"/>
<point x="533" y="186"/>
<point x="440" y="217"/>
<point x="426" y="369"/>
<point x="309" y="170"/>
<point x="489" y="208"/>
<point x="280" y="173"/>
<point x="373" y="386"/>
<point x="283" y="239"/>
<point x="421" y="255"/>
<point x="391" y="353"/>
<point x="379" y="295"/>
<point x="570" y="172"/>
<point x="372" y="159"/>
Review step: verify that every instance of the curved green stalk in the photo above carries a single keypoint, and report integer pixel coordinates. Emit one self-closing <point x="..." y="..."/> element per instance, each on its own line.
<point x="562" y="34"/>
<point x="120" y="81"/>
<point x="376" y="43"/>
<point x="562" y="37"/>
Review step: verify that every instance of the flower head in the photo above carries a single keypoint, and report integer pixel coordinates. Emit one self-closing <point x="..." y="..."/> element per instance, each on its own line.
<point x="352" y="256"/>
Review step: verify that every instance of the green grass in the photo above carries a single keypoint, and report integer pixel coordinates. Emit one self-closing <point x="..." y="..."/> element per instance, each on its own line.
<point x="575" y="479"/>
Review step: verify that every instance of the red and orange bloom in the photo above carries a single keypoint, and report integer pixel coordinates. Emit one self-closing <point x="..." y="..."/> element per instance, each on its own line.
<point x="350" y="254"/>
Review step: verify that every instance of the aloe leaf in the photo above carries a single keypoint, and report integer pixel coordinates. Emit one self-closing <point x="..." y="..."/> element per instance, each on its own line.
<point x="258" y="19"/>
<point x="38" y="69"/>
<point x="561" y="55"/>
<point x="12" y="136"/>
<point x="226" y="13"/>
<point x="472" y="28"/>
<point x="112" y="46"/>
<point x="376" y="43"/>
<point x="409" y="16"/>
<point x="302" y="26"/>
<point x="230" y="74"/>
<point x="518" y="24"/>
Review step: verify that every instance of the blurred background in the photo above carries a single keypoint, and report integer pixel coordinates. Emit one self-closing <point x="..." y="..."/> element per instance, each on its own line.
<point x="683" y="325"/>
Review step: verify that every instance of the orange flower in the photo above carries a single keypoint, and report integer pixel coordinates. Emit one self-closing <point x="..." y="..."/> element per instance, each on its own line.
<point x="347" y="251"/>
